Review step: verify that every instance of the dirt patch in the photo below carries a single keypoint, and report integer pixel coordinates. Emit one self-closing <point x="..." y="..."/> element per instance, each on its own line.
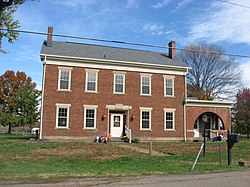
<point x="91" y="150"/>
<point x="142" y="150"/>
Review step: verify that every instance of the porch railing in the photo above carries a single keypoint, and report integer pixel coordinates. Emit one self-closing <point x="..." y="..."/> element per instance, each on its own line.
<point x="128" y="132"/>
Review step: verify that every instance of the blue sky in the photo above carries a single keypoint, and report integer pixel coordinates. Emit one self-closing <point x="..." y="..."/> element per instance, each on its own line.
<point x="144" y="21"/>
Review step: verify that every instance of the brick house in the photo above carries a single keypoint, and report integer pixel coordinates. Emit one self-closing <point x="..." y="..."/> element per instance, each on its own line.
<point x="91" y="90"/>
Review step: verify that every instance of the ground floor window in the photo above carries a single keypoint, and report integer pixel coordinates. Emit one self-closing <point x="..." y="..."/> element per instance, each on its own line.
<point x="90" y="116"/>
<point x="169" y="119"/>
<point x="62" y="115"/>
<point x="145" y="118"/>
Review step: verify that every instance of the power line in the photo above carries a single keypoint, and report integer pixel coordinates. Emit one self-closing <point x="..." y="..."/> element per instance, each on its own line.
<point x="127" y="43"/>
<point x="231" y="3"/>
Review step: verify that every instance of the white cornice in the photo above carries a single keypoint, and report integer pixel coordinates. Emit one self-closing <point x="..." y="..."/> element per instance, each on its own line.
<point x="112" y="64"/>
<point x="207" y="103"/>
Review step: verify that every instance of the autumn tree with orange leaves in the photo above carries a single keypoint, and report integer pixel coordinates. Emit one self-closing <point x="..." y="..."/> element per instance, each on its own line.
<point x="18" y="100"/>
<point x="242" y="112"/>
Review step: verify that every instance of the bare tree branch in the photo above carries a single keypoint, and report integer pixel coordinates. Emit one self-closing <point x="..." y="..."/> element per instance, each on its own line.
<point x="213" y="76"/>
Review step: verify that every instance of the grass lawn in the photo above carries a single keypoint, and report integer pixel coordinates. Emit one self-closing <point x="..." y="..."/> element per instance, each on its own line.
<point x="22" y="159"/>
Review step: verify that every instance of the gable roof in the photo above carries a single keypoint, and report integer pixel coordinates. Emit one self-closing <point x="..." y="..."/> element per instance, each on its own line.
<point x="69" y="49"/>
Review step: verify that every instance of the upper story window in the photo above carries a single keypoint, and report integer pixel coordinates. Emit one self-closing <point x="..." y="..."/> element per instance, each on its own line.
<point x="169" y="119"/>
<point x="145" y="84"/>
<point x="91" y="80"/>
<point x="62" y="115"/>
<point x="168" y="86"/>
<point x="145" y="118"/>
<point x="64" y="79"/>
<point x="119" y="83"/>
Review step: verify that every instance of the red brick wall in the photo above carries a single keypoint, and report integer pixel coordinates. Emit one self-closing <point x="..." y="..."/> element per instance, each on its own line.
<point x="193" y="112"/>
<point x="77" y="97"/>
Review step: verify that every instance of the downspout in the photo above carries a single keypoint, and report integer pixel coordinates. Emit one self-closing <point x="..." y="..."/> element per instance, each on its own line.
<point x="184" y="108"/>
<point x="43" y="82"/>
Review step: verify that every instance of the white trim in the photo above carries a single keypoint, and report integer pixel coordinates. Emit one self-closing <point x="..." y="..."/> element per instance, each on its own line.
<point x="208" y="103"/>
<point x="58" y="105"/>
<point x="144" y="109"/>
<point x="91" y="107"/>
<point x="118" y="67"/>
<point x="169" y="110"/>
<point x="59" y="78"/>
<point x="172" y="79"/>
<point x="66" y="68"/>
<point x="42" y="99"/>
<point x="148" y="76"/>
<point x="109" y="62"/>
<point x="93" y="70"/>
<point x="86" y="80"/>
<point x="118" y="107"/>
<point x="169" y="76"/>
<point x="62" y="104"/>
<point x="114" y="82"/>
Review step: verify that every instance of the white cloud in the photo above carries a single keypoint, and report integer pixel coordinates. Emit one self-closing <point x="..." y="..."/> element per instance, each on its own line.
<point x="161" y="4"/>
<point x="224" y="22"/>
<point x="77" y="3"/>
<point x="183" y="3"/>
<point x="245" y="74"/>
<point x="131" y="3"/>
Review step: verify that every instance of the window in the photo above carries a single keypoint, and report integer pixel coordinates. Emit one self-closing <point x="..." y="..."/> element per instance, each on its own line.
<point x="62" y="113"/>
<point x="145" y="85"/>
<point x="168" y="86"/>
<point x="91" y="80"/>
<point x="169" y="119"/>
<point x="64" y="79"/>
<point x="145" y="118"/>
<point x="119" y="83"/>
<point x="90" y="117"/>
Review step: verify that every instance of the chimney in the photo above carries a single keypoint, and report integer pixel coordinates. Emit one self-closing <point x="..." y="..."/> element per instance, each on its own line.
<point x="172" y="50"/>
<point x="49" y="36"/>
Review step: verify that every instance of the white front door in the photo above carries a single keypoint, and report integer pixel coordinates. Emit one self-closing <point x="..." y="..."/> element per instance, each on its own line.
<point x="116" y="125"/>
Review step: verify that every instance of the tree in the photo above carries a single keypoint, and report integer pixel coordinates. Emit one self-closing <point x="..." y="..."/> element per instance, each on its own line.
<point x="18" y="100"/>
<point x="242" y="112"/>
<point x="7" y="22"/>
<point x="213" y="75"/>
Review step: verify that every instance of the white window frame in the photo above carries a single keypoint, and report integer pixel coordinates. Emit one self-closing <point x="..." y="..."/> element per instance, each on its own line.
<point x="90" y="107"/>
<point x="58" y="106"/>
<point x="96" y="78"/>
<point x="59" y="78"/>
<point x="146" y="109"/>
<point x="121" y="74"/>
<point x="148" y="76"/>
<point x="165" y="79"/>
<point x="169" y="110"/>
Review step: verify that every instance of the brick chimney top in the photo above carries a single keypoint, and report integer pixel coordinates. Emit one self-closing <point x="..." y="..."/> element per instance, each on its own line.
<point x="49" y="36"/>
<point x="172" y="50"/>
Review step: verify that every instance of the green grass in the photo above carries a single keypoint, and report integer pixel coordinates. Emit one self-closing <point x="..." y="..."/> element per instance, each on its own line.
<point x="22" y="159"/>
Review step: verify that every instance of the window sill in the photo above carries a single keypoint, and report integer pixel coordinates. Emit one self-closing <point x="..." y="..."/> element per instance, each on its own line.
<point x="170" y="96"/>
<point x="59" y="90"/>
<point x="89" y="129"/>
<point x="146" y="130"/>
<point x="62" y="128"/>
<point x="169" y="130"/>
<point x="91" y="92"/>
<point x="147" y="95"/>
<point x="119" y="93"/>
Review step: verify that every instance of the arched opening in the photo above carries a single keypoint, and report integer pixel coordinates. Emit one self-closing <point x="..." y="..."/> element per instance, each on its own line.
<point x="212" y="123"/>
